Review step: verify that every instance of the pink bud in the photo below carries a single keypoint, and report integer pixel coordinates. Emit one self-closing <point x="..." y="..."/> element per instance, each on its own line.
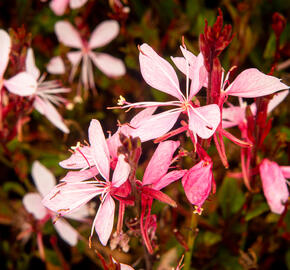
<point x="274" y="185"/>
<point x="197" y="182"/>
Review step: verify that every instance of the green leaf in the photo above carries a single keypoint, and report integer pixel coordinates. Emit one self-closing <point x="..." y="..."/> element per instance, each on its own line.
<point x="52" y="257"/>
<point x="258" y="210"/>
<point x="230" y="197"/>
<point x="14" y="187"/>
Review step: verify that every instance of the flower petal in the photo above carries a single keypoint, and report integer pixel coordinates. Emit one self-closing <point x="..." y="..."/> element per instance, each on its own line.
<point x="104" y="33"/>
<point x="142" y="115"/>
<point x="56" y="65"/>
<point x="168" y="179"/>
<point x="22" y="84"/>
<point x="77" y="3"/>
<point x="155" y="126"/>
<point x="33" y="205"/>
<point x="5" y="47"/>
<point x="276" y="100"/>
<point x="104" y="220"/>
<point x="67" y="197"/>
<point x="49" y="111"/>
<point x="111" y="66"/>
<point x="43" y="178"/>
<point x="233" y="116"/>
<point x="68" y="35"/>
<point x="99" y="149"/>
<point x="204" y="129"/>
<point x="160" y="162"/>
<point x="158" y="73"/>
<point x="58" y="6"/>
<point x="197" y="183"/>
<point x="30" y="64"/>
<point x="80" y="214"/>
<point x="66" y="232"/>
<point x="78" y="176"/>
<point x="253" y="83"/>
<point x="80" y="159"/>
<point x="274" y="186"/>
<point x="121" y="172"/>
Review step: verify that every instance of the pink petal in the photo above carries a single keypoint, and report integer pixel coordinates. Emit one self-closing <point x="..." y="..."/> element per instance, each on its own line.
<point x="56" y="65"/>
<point x="104" y="33"/>
<point x="68" y="35"/>
<point x="43" y="178"/>
<point x="253" y="83"/>
<point x="274" y="186"/>
<point x="160" y="162"/>
<point x="67" y="197"/>
<point x="22" y="84"/>
<point x="111" y="66"/>
<point x="121" y="172"/>
<point x="204" y="129"/>
<point x="74" y="57"/>
<point x="168" y="179"/>
<point x="33" y="205"/>
<point x="285" y="171"/>
<point x="142" y="115"/>
<point x="66" y="232"/>
<point x="233" y="116"/>
<point x="78" y="176"/>
<point x="30" y="64"/>
<point x="155" y="126"/>
<point x="47" y="109"/>
<point x="77" y="3"/>
<point x="58" y="6"/>
<point x="157" y="72"/>
<point x="80" y="214"/>
<point x="79" y="159"/>
<point x="5" y="47"/>
<point x="197" y="183"/>
<point x="99" y="149"/>
<point x="123" y="266"/>
<point x="104" y="220"/>
<point x="277" y="99"/>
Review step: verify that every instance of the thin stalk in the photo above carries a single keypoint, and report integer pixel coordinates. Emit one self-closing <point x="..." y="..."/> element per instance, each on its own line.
<point x="190" y="241"/>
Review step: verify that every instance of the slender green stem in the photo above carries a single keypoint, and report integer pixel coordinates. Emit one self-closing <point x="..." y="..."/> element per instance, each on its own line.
<point x="190" y="241"/>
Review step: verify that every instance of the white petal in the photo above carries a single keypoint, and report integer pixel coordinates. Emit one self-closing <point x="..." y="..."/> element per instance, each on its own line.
<point x="32" y="203"/>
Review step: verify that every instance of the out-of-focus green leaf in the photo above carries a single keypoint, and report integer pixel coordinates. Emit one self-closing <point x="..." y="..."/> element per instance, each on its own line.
<point x="258" y="210"/>
<point x="14" y="187"/>
<point x="51" y="257"/>
<point x="211" y="238"/>
<point x="270" y="47"/>
<point x="230" y="197"/>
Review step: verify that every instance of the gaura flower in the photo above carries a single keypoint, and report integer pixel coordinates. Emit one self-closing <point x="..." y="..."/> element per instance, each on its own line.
<point x="103" y="34"/>
<point x="70" y="195"/>
<point x="197" y="183"/>
<point x="46" y="94"/>
<point x="159" y="74"/>
<point x="44" y="181"/>
<point x="156" y="177"/>
<point x="23" y="83"/>
<point x="274" y="185"/>
<point x="59" y="6"/>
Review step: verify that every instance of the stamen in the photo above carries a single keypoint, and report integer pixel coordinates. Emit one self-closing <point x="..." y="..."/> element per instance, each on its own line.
<point x="121" y="101"/>
<point x="55" y="194"/>
<point x="63" y="210"/>
<point x="198" y="210"/>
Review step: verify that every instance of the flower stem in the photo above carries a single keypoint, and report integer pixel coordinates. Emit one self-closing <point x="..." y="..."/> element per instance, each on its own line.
<point x="190" y="241"/>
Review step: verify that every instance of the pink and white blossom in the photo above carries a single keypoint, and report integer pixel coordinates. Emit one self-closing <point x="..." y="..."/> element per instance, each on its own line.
<point x="60" y="6"/>
<point x="71" y="195"/>
<point x="159" y="74"/>
<point x="45" y="181"/>
<point x="103" y="34"/>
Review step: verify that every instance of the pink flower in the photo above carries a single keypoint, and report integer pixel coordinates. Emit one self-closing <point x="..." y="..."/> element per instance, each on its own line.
<point x="156" y="177"/>
<point x="59" y="6"/>
<point x="70" y="195"/>
<point x="274" y="185"/>
<point x="159" y="74"/>
<point x="45" y="95"/>
<point x="235" y="115"/>
<point x="44" y="181"/>
<point x="103" y="34"/>
<point x="252" y="83"/>
<point x="23" y="83"/>
<point x="197" y="183"/>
